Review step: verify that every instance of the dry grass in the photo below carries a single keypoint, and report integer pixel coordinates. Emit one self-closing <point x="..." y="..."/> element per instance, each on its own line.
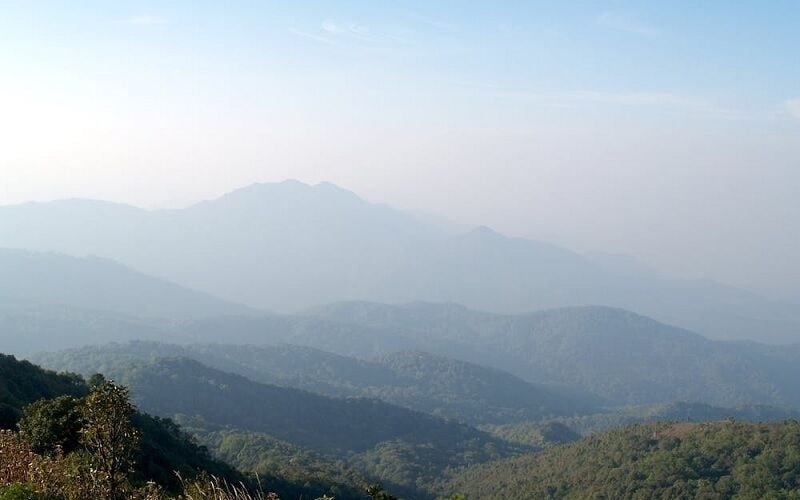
<point x="215" y="489"/>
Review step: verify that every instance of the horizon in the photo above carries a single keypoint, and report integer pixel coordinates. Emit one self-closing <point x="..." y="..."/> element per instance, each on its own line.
<point x="666" y="132"/>
<point x="424" y="217"/>
<point x="630" y="129"/>
<point x="412" y="250"/>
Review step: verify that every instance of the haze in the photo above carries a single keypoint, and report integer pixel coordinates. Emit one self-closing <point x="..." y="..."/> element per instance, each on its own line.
<point x="621" y="128"/>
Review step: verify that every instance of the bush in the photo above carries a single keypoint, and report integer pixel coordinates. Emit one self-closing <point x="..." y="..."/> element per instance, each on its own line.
<point x="18" y="492"/>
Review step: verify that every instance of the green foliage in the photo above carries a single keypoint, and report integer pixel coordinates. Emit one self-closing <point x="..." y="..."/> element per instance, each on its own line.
<point x="109" y="436"/>
<point x="95" y="380"/>
<point x="376" y="492"/>
<point x="416" y="380"/>
<point x="52" y="425"/>
<point x="303" y="472"/>
<point x="537" y="434"/>
<point x="329" y="425"/>
<point x="163" y="450"/>
<point x="18" y="492"/>
<point x="403" y="448"/>
<point x="617" y="357"/>
<point x="669" y="461"/>
<point x="22" y="383"/>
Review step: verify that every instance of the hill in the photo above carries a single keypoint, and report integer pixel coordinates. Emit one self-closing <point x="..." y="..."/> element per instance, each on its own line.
<point x="55" y="300"/>
<point x="398" y="447"/>
<point x="288" y="246"/>
<point x="567" y="429"/>
<point x="670" y="461"/>
<point x="618" y="355"/>
<point x="22" y="383"/>
<point x="432" y="384"/>
<point x="92" y="283"/>
<point x="164" y="450"/>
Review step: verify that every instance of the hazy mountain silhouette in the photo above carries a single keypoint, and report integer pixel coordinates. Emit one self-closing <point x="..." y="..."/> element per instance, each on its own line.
<point x="619" y="356"/>
<point x="288" y="246"/>
<point x="49" y="300"/>
<point x="613" y="353"/>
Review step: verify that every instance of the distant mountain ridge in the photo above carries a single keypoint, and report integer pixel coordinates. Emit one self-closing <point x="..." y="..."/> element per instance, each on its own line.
<point x="289" y="246"/>
<point x="57" y="301"/>
<point x="624" y="357"/>
<point x="615" y="356"/>
<point x="416" y="380"/>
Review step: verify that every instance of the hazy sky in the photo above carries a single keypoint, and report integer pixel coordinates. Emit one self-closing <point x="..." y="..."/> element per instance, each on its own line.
<point x="665" y="130"/>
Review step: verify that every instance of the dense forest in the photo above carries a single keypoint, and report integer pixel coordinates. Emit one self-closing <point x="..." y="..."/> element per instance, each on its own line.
<point x="619" y="357"/>
<point x="396" y="446"/>
<point x="679" y="460"/>
<point x="71" y="439"/>
<point x="416" y="380"/>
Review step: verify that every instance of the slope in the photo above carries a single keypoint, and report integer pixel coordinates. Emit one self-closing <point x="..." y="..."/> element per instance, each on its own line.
<point x="432" y="384"/>
<point x="670" y="461"/>
<point x="401" y="448"/>
<point x="55" y="300"/>
<point x="621" y="356"/>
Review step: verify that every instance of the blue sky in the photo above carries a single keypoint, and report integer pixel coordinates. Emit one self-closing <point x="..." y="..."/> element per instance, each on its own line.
<point x="736" y="57"/>
<point x="665" y="130"/>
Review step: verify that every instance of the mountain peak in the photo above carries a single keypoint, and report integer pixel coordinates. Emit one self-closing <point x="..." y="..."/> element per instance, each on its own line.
<point x="485" y="232"/>
<point x="288" y="189"/>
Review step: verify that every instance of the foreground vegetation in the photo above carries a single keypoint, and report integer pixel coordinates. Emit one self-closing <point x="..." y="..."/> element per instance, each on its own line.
<point x="63" y="438"/>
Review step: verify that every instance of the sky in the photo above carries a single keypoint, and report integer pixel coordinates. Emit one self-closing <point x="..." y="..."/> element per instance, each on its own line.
<point x="669" y="131"/>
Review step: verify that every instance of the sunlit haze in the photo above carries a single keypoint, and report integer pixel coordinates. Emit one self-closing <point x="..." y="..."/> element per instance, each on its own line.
<point x="669" y="132"/>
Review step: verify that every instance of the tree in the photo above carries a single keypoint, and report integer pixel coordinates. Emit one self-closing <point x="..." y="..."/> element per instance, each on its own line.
<point x="109" y="436"/>
<point x="376" y="492"/>
<point x="95" y="380"/>
<point x="49" y="425"/>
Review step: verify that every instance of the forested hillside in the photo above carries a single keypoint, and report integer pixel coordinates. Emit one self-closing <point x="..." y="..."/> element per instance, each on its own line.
<point x="618" y="355"/>
<point x="566" y="429"/>
<point x="415" y="380"/>
<point x="48" y="406"/>
<point x="22" y="383"/>
<point x="395" y="446"/>
<point x="671" y="461"/>
<point x="164" y="449"/>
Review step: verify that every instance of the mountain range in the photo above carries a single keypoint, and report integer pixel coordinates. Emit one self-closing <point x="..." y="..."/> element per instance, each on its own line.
<point x="290" y="246"/>
<point x="416" y="380"/>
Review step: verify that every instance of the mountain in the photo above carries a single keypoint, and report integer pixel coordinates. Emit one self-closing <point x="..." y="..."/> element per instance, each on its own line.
<point x="164" y="449"/>
<point x="416" y="380"/>
<point x="289" y="246"/>
<point x="614" y="355"/>
<point x="102" y="285"/>
<point x="566" y="429"/>
<point x="398" y="447"/>
<point x="683" y="460"/>
<point x="55" y="300"/>
<point x="22" y="383"/>
<point x="265" y="456"/>
<point x="618" y="355"/>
